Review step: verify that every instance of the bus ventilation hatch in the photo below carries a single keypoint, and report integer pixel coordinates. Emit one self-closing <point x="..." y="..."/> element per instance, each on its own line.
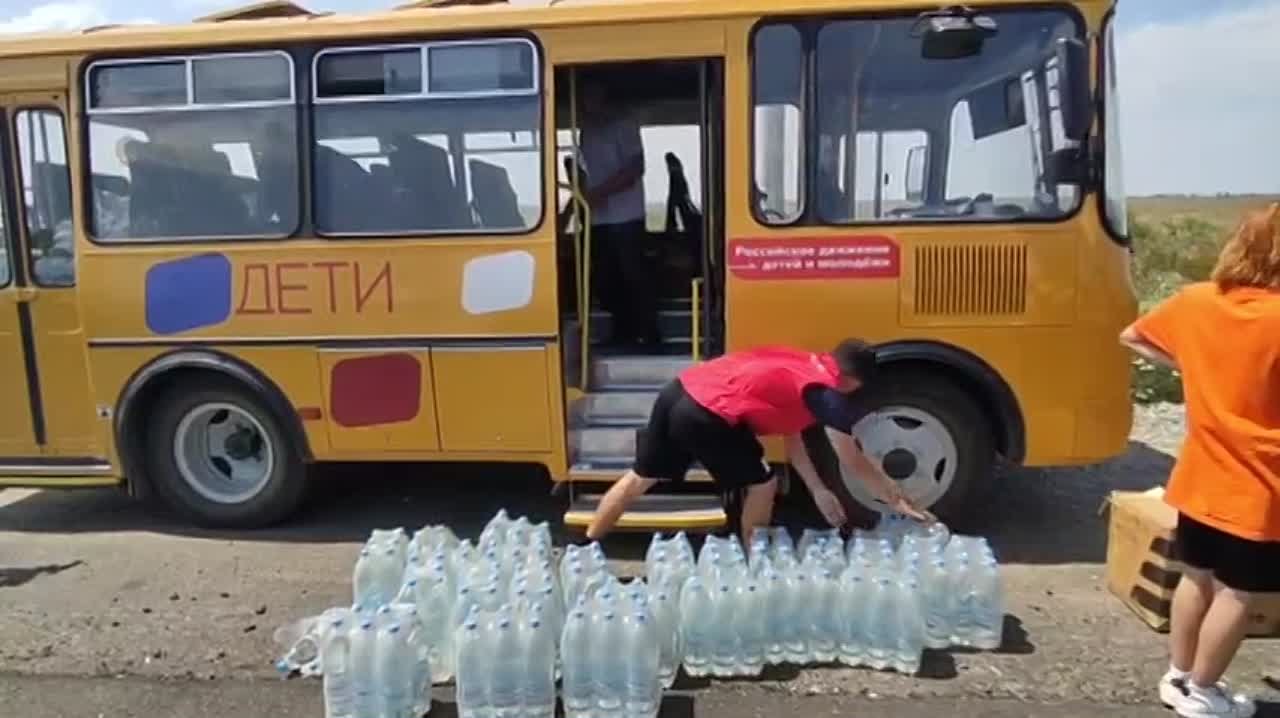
<point x="971" y="280"/>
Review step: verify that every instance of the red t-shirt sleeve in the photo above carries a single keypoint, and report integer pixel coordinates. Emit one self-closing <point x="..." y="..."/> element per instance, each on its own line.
<point x="1160" y="325"/>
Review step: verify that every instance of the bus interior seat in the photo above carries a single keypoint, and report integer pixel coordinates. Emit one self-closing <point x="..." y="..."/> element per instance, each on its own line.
<point x="494" y="198"/>
<point x="425" y="173"/>
<point x="343" y="191"/>
<point x="153" y="191"/>
<point x="54" y="183"/>
<point x="213" y="206"/>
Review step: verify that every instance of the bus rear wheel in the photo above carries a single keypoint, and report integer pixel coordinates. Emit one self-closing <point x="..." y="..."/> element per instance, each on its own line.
<point x="929" y="436"/>
<point x="218" y="456"/>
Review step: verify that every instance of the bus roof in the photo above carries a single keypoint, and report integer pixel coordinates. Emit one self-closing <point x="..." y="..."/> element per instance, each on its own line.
<point x="276" y="22"/>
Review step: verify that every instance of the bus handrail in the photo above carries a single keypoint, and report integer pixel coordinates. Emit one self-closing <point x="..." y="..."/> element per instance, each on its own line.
<point x="695" y="317"/>
<point x="583" y="244"/>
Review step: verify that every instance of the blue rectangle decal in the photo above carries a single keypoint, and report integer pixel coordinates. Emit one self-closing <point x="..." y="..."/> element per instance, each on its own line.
<point x="188" y="293"/>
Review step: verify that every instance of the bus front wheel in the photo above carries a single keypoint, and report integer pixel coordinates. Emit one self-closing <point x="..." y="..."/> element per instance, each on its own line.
<point x="929" y="436"/>
<point x="217" y="455"/>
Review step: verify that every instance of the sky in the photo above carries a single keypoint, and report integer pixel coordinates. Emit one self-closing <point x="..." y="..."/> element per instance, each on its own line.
<point x="1198" y="88"/>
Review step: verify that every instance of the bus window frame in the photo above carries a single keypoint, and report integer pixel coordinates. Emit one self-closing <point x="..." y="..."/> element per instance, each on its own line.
<point x="803" y="27"/>
<point x="314" y="100"/>
<point x="87" y="207"/>
<point x="21" y="177"/>
<point x="1103" y="63"/>
<point x="809" y="25"/>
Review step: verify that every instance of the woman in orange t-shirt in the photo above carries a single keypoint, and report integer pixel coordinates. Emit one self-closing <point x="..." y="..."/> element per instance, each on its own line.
<point x="1224" y="338"/>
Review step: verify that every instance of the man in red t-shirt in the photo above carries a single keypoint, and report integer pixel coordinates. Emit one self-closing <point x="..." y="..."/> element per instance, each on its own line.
<point x="714" y="412"/>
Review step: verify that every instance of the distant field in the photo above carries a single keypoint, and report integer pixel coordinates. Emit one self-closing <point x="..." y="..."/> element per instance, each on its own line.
<point x="1223" y="211"/>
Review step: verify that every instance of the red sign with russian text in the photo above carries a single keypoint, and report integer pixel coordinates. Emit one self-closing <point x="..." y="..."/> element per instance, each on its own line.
<point x="861" y="257"/>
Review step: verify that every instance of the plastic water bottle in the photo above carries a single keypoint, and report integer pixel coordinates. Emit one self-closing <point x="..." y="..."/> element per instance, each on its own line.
<point x="472" y="670"/>
<point x="609" y="665"/>
<point x="750" y="627"/>
<point x="393" y="671"/>
<point x="773" y="611"/>
<point x="506" y="666"/>
<point x="538" y="688"/>
<point x="363" y="642"/>
<point x="988" y="629"/>
<point x="666" y="627"/>
<point x="963" y="599"/>
<point x="878" y="624"/>
<point x="855" y="596"/>
<point x="639" y="648"/>
<point x="797" y="627"/>
<point x="910" y="638"/>
<point x="421" y="678"/>
<point x="339" y="693"/>
<point x="697" y="612"/>
<point x="724" y="647"/>
<point x="935" y="603"/>
<point x="826" y="619"/>
<point x="577" y="682"/>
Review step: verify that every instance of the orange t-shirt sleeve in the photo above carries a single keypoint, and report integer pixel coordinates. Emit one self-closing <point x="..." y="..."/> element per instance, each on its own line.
<point x="1160" y="325"/>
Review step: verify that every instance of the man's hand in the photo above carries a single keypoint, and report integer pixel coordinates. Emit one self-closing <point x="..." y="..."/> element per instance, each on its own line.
<point x="903" y="505"/>
<point x="829" y="504"/>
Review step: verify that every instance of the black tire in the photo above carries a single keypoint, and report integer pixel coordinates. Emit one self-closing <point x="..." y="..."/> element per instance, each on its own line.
<point x="963" y="419"/>
<point x="277" y="497"/>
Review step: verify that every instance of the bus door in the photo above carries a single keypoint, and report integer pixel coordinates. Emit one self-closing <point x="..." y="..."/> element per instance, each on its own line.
<point x="42" y="334"/>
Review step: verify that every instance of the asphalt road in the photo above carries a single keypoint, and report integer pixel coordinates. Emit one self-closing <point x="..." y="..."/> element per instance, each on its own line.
<point x="111" y="609"/>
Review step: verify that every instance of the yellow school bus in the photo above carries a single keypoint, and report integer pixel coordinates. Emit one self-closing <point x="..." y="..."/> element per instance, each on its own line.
<point x="272" y="238"/>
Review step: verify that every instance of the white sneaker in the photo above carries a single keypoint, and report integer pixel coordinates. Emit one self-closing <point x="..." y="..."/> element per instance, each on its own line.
<point x="1216" y="702"/>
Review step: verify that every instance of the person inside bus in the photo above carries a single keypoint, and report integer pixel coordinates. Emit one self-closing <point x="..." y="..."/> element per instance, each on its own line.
<point x="1223" y="336"/>
<point x="613" y="162"/>
<point x="715" y="410"/>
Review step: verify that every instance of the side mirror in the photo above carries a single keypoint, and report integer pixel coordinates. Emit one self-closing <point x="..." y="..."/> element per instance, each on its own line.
<point x="914" y="173"/>
<point x="1076" y="97"/>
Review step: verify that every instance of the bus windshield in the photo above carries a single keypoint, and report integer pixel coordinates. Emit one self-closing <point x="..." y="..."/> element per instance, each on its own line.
<point x="902" y="137"/>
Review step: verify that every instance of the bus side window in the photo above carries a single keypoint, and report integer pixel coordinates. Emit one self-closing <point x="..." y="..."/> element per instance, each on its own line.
<point x="197" y="147"/>
<point x="46" y="196"/>
<point x="456" y="150"/>
<point x="778" y="143"/>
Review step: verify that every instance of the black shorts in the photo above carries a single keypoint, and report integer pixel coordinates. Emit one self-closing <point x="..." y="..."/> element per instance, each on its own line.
<point x="681" y="431"/>
<point x="1250" y="566"/>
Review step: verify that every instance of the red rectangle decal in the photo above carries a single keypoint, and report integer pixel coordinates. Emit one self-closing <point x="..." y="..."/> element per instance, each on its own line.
<point x="862" y="257"/>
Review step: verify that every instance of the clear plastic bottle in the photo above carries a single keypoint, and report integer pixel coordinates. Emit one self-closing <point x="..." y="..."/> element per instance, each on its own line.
<point x="697" y="611"/>
<point x="506" y="666"/>
<point x="798" y="620"/>
<point x="608" y="664"/>
<point x="750" y="627"/>
<point x="420" y="688"/>
<point x="577" y="682"/>
<point x="854" y="596"/>
<point x="363" y="642"/>
<point x="724" y="647"/>
<point x="394" y="665"/>
<point x="339" y="691"/>
<point x="639" y="649"/>
<point x="879" y="627"/>
<point x="826" y="618"/>
<point x="666" y="626"/>
<point x="538" y="688"/>
<point x="935" y="603"/>
<point x="910" y="637"/>
<point x="963" y="599"/>
<point x="472" y="669"/>
<point x="988" y="629"/>
<point x="773" y="611"/>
